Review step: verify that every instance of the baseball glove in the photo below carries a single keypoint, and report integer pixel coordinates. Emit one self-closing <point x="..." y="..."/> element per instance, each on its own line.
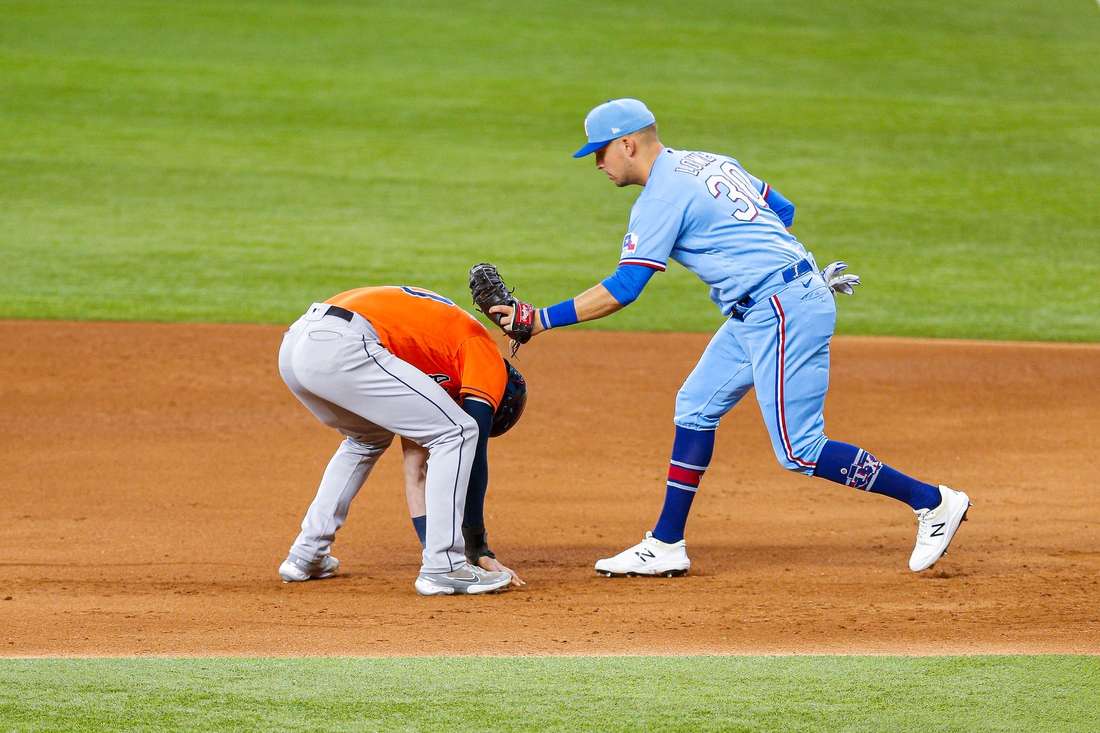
<point x="489" y="290"/>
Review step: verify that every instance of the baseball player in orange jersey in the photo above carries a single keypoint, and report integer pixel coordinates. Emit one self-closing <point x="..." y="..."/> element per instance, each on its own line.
<point x="383" y="361"/>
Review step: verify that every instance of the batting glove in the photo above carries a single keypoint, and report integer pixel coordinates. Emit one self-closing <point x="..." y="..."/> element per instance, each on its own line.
<point x="839" y="283"/>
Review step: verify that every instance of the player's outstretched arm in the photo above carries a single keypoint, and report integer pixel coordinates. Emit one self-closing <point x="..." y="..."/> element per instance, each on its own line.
<point x="594" y="303"/>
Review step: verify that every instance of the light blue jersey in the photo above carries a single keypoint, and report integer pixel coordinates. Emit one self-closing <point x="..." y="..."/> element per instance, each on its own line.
<point x="707" y="213"/>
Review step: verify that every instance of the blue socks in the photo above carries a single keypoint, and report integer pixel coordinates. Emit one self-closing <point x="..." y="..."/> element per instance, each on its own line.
<point x="420" y="524"/>
<point x="691" y="452"/>
<point x="839" y="462"/>
<point x="855" y="467"/>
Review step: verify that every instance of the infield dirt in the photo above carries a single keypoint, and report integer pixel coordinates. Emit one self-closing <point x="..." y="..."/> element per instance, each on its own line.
<point x="153" y="476"/>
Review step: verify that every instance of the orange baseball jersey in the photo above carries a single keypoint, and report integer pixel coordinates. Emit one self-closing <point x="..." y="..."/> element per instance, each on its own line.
<point x="435" y="336"/>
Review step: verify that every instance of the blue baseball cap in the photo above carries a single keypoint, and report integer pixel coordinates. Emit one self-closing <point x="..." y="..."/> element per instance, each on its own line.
<point x="611" y="120"/>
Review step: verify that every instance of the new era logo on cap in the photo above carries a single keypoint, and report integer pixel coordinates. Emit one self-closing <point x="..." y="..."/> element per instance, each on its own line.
<point x="612" y="120"/>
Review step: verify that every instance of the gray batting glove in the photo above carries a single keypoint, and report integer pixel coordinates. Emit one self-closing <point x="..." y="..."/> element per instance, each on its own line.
<point x="839" y="283"/>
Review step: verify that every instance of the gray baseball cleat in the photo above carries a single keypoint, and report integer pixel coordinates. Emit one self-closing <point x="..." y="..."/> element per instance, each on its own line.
<point x="936" y="528"/>
<point x="469" y="579"/>
<point x="295" y="570"/>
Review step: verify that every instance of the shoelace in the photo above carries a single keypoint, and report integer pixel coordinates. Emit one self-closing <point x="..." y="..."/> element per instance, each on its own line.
<point x="477" y="570"/>
<point x="924" y="528"/>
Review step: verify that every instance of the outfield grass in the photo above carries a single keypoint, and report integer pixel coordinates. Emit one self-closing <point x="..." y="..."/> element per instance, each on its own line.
<point x="234" y="161"/>
<point x="1034" y="693"/>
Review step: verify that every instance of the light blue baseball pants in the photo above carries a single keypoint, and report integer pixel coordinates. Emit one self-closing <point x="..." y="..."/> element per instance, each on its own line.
<point x="781" y="348"/>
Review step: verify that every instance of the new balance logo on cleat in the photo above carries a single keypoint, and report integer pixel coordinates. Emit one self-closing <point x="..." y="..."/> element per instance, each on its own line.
<point x="649" y="557"/>
<point x="936" y="527"/>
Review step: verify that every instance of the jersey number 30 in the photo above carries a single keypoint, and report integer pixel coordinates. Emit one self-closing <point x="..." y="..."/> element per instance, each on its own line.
<point x="739" y="189"/>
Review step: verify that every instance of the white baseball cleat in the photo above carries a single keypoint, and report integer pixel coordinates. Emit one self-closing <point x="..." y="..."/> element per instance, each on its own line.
<point x="937" y="527"/>
<point x="296" y="570"/>
<point x="648" y="557"/>
<point x="469" y="579"/>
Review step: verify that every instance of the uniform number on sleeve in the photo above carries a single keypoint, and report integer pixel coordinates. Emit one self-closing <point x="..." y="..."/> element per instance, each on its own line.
<point x="739" y="189"/>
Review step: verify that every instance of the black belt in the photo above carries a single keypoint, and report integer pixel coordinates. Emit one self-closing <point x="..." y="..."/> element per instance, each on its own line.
<point x="335" y="310"/>
<point x="741" y="307"/>
<point x="790" y="274"/>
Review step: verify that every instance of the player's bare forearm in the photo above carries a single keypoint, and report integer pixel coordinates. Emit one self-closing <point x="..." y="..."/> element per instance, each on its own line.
<point x="592" y="304"/>
<point x="596" y="302"/>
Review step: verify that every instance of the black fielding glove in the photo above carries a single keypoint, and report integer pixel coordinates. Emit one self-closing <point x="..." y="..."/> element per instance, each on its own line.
<point x="489" y="290"/>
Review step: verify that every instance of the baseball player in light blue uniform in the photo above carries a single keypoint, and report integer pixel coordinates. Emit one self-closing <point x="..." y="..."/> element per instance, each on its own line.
<point x="731" y="229"/>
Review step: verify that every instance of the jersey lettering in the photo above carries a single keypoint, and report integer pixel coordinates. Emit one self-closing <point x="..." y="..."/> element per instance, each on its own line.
<point x="426" y="294"/>
<point x="694" y="163"/>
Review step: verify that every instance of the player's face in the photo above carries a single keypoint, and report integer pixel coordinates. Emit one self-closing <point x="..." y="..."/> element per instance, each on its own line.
<point x="613" y="160"/>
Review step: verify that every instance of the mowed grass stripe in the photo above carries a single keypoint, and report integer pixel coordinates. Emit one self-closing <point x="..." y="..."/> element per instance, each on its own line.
<point x="235" y="161"/>
<point x="982" y="693"/>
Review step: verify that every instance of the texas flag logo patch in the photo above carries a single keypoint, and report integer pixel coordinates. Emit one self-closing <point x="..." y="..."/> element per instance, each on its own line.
<point x="630" y="243"/>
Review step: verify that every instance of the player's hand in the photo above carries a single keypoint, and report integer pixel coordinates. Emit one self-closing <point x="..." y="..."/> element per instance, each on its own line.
<point x="508" y="311"/>
<point x="839" y="283"/>
<point x="487" y="563"/>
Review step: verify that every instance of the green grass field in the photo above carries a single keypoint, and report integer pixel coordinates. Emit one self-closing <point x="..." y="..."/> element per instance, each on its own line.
<point x="234" y="161"/>
<point x="539" y="694"/>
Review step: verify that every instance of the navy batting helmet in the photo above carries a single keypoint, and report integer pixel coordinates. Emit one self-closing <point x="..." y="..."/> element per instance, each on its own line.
<point x="511" y="405"/>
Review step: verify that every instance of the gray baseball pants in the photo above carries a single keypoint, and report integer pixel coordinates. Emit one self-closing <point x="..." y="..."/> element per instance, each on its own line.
<point x="350" y="382"/>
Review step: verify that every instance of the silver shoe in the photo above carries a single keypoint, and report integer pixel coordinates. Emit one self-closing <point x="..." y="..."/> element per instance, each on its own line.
<point x="295" y="570"/>
<point x="468" y="579"/>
